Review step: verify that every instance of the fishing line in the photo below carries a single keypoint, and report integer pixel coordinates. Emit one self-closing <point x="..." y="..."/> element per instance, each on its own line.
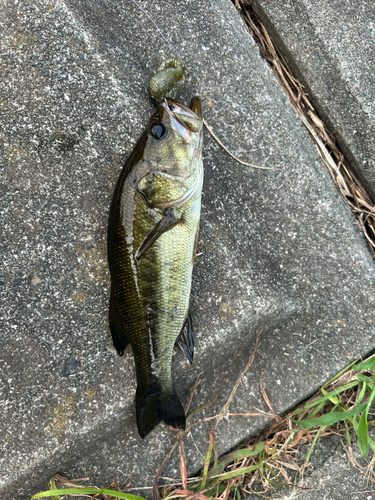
<point x="157" y="27"/>
<point x="204" y="121"/>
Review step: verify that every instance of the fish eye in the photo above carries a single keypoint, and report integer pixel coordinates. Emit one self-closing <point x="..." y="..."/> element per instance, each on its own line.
<point x="158" y="131"/>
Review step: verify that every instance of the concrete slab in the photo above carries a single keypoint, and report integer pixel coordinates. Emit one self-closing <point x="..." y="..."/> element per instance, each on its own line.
<point x="330" y="47"/>
<point x="279" y="250"/>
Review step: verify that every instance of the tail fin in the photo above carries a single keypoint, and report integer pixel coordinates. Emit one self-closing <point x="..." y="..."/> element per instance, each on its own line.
<point x="156" y="406"/>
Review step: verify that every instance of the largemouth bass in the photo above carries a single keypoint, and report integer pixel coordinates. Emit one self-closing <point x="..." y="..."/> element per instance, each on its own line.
<point x="152" y="240"/>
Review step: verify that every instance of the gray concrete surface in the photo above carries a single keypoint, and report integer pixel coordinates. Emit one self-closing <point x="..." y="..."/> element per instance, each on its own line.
<point x="330" y="47"/>
<point x="280" y="252"/>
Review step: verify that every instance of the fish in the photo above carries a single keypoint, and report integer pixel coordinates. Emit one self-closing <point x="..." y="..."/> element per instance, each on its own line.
<point x="152" y="242"/>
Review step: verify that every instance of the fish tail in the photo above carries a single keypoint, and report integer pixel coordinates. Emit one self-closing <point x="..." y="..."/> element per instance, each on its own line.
<point x="157" y="405"/>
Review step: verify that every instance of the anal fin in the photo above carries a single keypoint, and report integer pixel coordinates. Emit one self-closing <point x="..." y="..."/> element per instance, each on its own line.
<point x="185" y="340"/>
<point x="119" y="336"/>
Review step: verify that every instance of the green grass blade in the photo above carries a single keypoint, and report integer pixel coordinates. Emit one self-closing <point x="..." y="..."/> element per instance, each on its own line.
<point x="365" y="365"/>
<point x="362" y="393"/>
<point x="260" y="463"/>
<point x="219" y="468"/>
<point x="371" y="443"/>
<point x="215" y="458"/>
<point x="220" y="489"/>
<point x="330" y="418"/>
<point x="271" y="472"/>
<point x="236" y="455"/>
<point x="52" y="486"/>
<point x="307" y="459"/>
<point x="368" y="380"/>
<point x="86" y="491"/>
<point x="343" y="388"/>
<point x="332" y="397"/>
<point x="235" y="473"/>
<point x="215" y="491"/>
<point x="246" y="452"/>
<point x="354" y="422"/>
<point x="362" y="429"/>
<point x="362" y="434"/>
<point x="317" y="409"/>
<point x="207" y="460"/>
<point x="370" y="399"/>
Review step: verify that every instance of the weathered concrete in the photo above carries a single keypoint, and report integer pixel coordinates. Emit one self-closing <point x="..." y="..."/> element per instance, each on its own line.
<point x="279" y="250"/>
<point x="329" y="45"/>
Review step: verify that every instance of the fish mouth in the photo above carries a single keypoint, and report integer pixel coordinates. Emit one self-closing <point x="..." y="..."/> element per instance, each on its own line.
<point x="185" y="122"/>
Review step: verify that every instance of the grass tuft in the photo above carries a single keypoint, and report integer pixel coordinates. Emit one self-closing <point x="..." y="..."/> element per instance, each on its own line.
<point x="269" y="460"/>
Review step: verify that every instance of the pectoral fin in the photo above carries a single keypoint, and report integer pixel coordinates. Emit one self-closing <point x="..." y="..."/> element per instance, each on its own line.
<point x="186" y="339"/>
<point x="168" y="222"/>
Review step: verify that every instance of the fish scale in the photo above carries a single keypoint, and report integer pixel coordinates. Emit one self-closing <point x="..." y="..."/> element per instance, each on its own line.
<point x="153" y="227"/>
